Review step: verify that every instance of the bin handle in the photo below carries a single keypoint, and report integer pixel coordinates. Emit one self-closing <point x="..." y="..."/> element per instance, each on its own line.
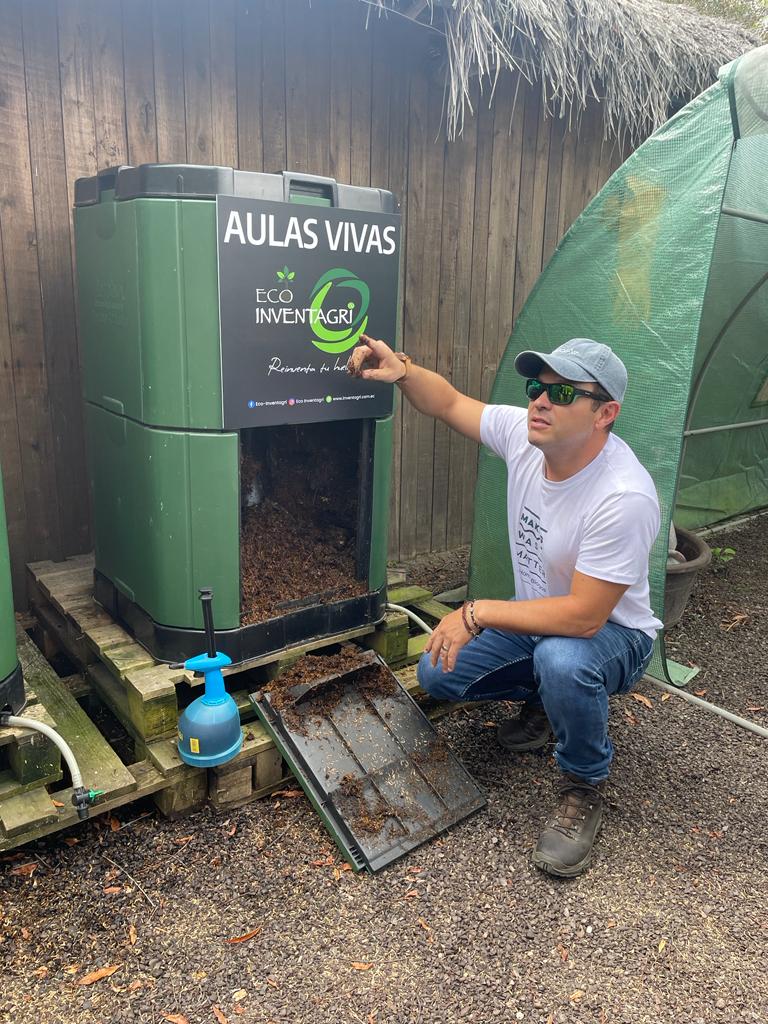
<point x="314" y="184"/>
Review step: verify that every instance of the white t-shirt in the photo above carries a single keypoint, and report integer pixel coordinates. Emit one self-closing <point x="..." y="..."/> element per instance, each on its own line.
<point x="601" y="522"/>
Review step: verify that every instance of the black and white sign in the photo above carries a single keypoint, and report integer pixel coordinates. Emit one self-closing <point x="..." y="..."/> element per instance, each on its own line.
<point x="298" y="285"/>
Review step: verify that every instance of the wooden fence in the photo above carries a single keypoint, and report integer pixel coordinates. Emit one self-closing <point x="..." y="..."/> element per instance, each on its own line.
<point x="267" y="85"/>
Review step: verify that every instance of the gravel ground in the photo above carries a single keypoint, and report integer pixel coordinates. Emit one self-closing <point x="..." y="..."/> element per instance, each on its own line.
<point x="669" y="925"/>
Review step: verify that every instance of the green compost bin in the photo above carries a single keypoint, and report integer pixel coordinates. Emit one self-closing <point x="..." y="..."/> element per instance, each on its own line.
<point x="217" y="311"/>
<point x="11" y="681"/>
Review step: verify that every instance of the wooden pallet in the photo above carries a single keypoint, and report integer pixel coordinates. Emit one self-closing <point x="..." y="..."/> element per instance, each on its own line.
<point x="28" y="759"/>
<point x="31" y="809"/>
<point x="147" y="696"/>
<point x="35" y="810"/>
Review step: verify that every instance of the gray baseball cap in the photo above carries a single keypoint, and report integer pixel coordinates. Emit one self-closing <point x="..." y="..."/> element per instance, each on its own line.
<point x="579" y="359"/>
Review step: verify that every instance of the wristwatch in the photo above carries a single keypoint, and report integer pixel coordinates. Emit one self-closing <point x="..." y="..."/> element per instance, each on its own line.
<point x="407" y="362"/>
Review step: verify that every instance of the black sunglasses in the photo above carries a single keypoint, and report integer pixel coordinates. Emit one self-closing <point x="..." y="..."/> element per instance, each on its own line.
<point x="560" y="394"/>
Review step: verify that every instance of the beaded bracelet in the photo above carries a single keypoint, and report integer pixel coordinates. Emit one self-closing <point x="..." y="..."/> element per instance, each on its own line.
<point x="473" y="629"/>
<point x="464" y="619"/>
<point x="478" y="629"/>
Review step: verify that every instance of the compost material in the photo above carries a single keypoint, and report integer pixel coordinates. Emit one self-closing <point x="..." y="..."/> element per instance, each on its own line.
<point x="297" y="537"/>
<point x="368" y="809"/>
<point x="370" y="680"/>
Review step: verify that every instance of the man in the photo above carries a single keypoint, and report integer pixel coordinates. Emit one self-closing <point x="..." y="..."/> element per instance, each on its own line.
<point x="583" y="515"/>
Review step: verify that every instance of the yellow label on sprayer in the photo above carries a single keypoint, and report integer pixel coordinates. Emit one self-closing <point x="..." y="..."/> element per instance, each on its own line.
<point x="194" y="745"/>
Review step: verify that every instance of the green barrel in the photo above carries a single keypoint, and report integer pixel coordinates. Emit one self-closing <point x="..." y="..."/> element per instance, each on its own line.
<point x="11" y="683"/>
<point x="161" y="360"/>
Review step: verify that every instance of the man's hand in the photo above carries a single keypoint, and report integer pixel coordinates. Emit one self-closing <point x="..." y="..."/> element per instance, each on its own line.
<point x="449" y="637"/>
<point x="375" y="360"/>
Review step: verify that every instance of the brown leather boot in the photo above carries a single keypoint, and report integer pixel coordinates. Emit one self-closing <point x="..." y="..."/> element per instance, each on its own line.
<point x="565" y="845"/>
<point x="529" y="731"/>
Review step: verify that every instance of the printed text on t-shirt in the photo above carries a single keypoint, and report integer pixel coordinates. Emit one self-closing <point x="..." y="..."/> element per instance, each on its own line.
<point x="528" y="543"/>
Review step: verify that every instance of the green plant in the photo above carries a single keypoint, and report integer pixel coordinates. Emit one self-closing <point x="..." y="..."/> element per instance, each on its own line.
<point x="722" y="556"/>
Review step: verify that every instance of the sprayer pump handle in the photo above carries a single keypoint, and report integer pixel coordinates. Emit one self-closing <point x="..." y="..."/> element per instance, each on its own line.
<point x="206" y="599"/>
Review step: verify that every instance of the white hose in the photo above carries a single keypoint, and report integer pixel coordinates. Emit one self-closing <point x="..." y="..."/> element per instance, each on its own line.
<point x="61" y="743"/>
<point x="713" y="709"/>
<point x="407" y="611"/>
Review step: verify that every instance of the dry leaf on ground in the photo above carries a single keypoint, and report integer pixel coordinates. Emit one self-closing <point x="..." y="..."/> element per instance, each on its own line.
<point x="219" y="1015"/>
<point x="25" y="870"/>
<point x="132" y="934"/>
<point x="735" y="623"/>
<point x="176" y="1018"/>
<point x="326" y="862"/>
<point x="642" y="699"/>
<point x="360" y="965"/>
<point x="244" y="938"/>
<point x="102" y="972"/>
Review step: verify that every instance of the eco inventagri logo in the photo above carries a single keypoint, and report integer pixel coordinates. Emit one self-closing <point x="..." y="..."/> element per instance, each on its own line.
<point x="335" y="324"/>
<point x="339" y="340"/>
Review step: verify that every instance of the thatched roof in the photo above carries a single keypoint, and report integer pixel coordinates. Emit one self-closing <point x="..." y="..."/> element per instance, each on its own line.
<point x="639" y="57"/>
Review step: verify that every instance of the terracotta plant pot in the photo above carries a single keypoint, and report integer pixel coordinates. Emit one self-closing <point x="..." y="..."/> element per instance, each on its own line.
<point x="681" y="577"/>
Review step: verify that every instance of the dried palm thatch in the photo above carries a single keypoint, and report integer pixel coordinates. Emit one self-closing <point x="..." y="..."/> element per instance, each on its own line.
<point x="637" y="57"/>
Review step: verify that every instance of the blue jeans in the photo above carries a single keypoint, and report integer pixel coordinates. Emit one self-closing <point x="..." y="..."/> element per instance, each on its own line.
<point x="571" y="676"/>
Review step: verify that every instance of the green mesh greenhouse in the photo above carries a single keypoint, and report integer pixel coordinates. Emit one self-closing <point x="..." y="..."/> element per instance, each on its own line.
<point x="668" y="265"/>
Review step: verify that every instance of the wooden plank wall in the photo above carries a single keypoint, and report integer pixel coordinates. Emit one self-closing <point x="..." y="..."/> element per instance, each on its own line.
<point x="266" y="85"/>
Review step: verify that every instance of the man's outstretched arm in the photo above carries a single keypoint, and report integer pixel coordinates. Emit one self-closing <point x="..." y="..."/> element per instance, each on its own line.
<point x="425" y="390"/>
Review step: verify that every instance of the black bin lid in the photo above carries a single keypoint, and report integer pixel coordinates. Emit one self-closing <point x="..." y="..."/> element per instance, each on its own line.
<point x="200" y="181"/>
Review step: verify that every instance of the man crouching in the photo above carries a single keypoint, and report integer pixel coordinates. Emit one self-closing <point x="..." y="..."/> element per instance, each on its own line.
<point x="582" y="517"/>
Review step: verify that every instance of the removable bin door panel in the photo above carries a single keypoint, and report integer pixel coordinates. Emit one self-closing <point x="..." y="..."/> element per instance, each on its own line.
<point x="108" y="306"/>
<point x="166" y="517"/>
<point x="148" y="300"/>
<point x="179" y="338"/>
